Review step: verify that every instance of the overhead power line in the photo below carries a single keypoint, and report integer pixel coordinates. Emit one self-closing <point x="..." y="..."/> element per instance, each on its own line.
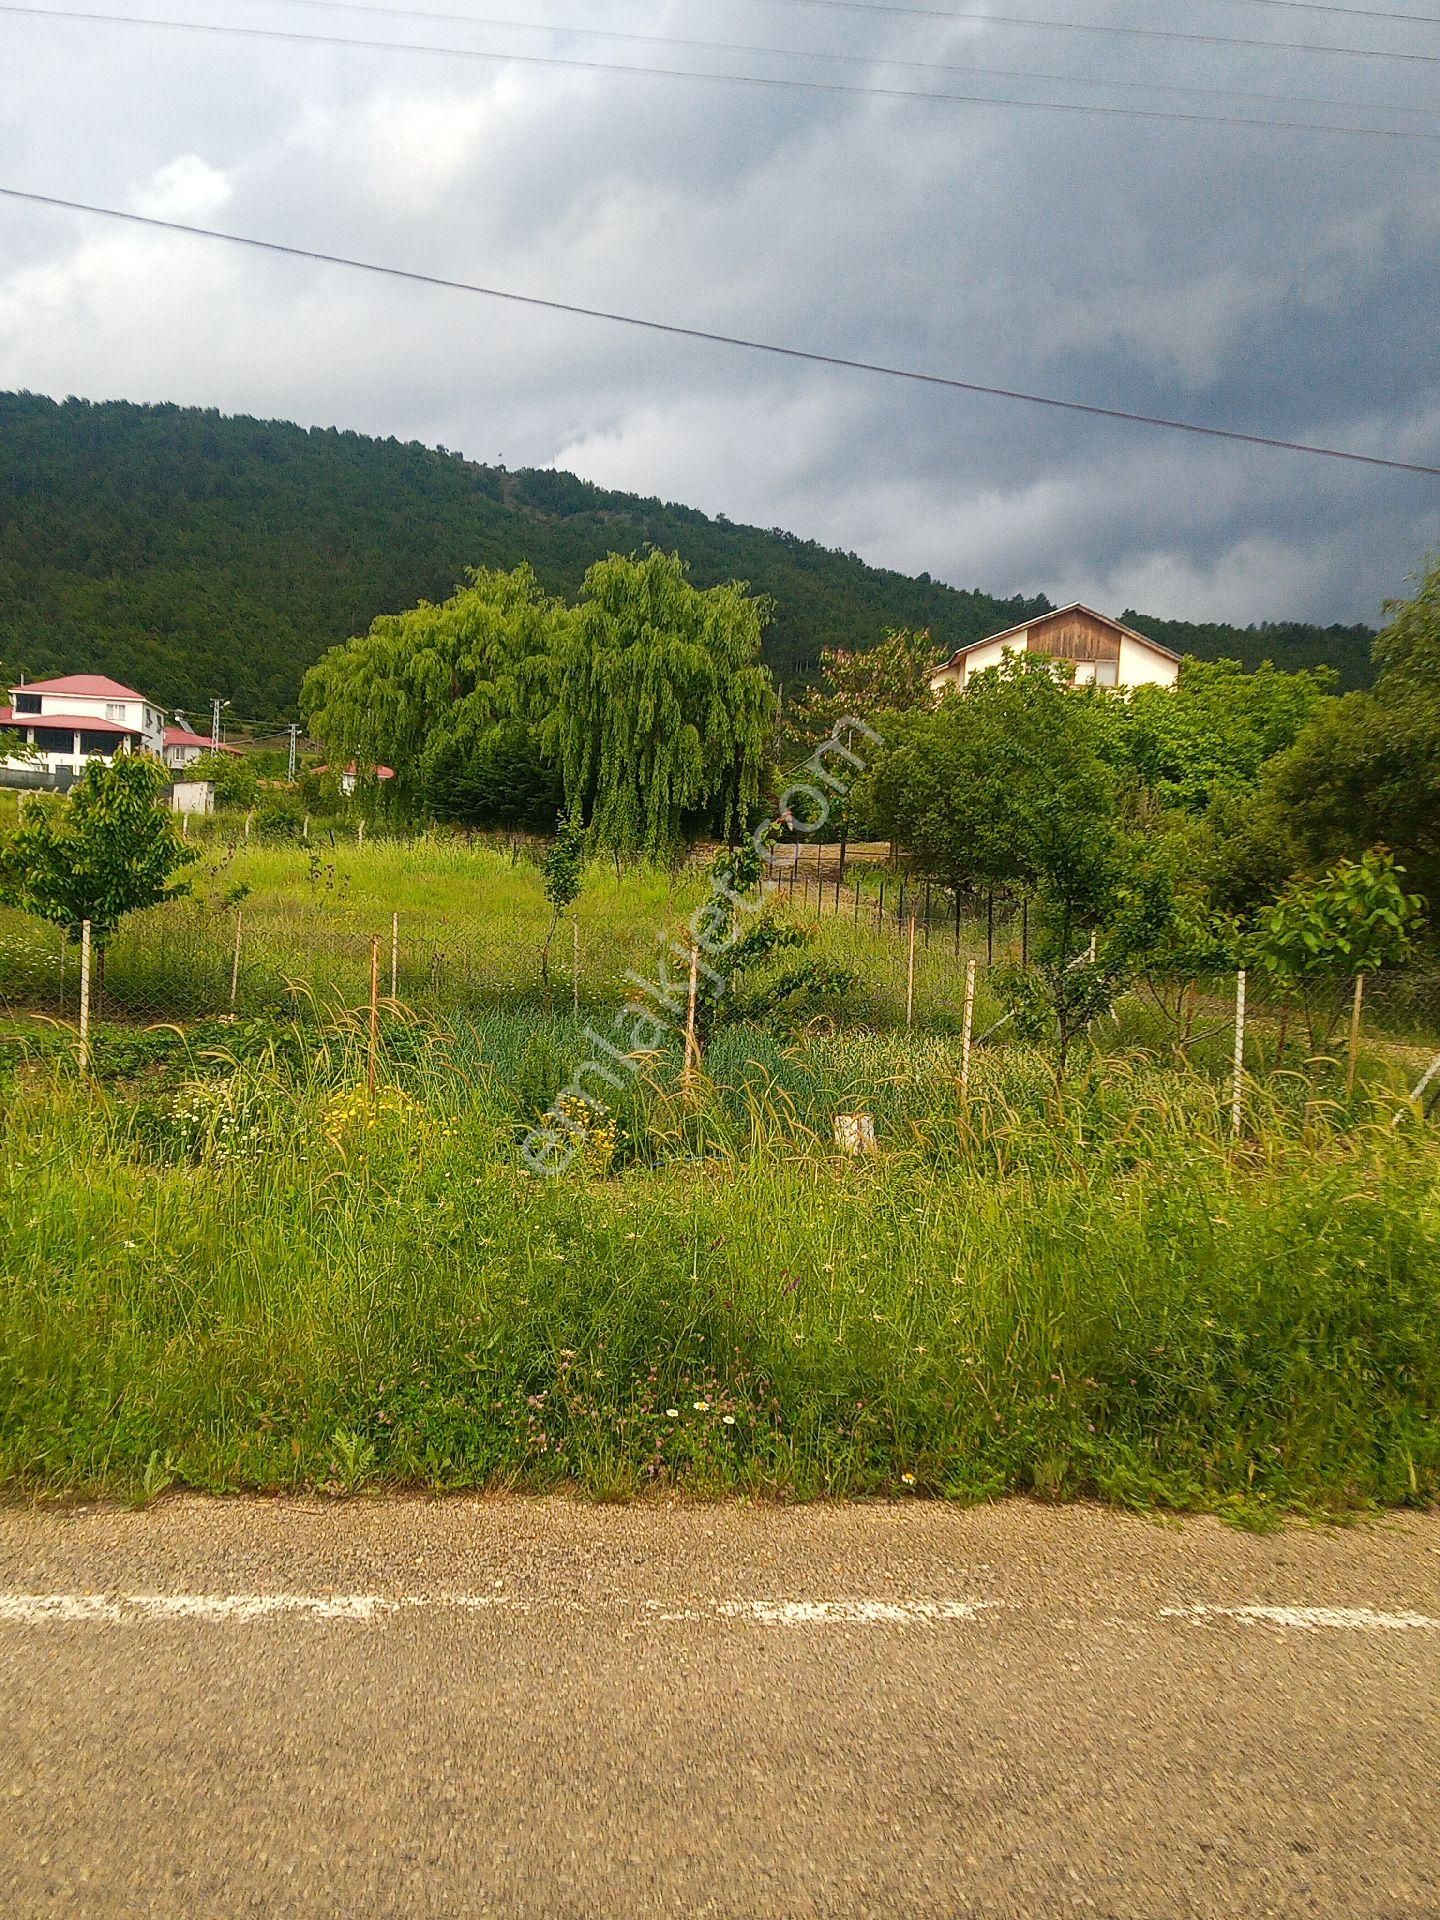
<point x="853" y="89"/>
<point x="864" y="60"/>
<point x="911" y="12"/>
<point x="1360" y="13"/>
<point x="677" y="331"/>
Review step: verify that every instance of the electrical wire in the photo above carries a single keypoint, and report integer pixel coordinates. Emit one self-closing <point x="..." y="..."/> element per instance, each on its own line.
<point x="1360" y="13"/>
<point x="846" y="59"/>
<point x="293" y="36"/>
<point x="910" y="11"/>
<point x="711" y="337"/>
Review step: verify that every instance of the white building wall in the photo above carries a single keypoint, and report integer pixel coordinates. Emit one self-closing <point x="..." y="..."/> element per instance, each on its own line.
<point x="1142" y="666"/>
<point x="1139" y="666"/>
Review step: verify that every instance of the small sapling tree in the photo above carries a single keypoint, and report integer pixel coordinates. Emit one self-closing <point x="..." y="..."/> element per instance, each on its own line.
<point x="1321" y="935"/>
<point x="109" y="850"/>
<point x="739" y="935"/>
<point x="564" y="875"/>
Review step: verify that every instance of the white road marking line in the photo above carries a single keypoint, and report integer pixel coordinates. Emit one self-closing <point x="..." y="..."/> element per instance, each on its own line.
<point x="110" y="1609"/>
<point x="848" y="1613"/>
<point x="31" y="1609"/>
<point x="1311" y="1619"/>
<point x="115" y="1609"/>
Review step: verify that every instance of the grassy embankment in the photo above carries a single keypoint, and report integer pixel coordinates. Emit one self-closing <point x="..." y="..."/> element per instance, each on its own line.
<point x="224" y="1266"/>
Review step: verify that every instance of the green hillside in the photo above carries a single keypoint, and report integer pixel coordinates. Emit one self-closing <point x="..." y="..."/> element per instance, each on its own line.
<point x="198" y="554"/>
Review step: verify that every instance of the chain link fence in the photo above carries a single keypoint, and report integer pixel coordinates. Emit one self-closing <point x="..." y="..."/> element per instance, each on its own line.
<point x="449" y="927"/>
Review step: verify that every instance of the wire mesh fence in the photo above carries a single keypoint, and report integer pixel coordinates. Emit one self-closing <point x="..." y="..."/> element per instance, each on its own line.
<point x="446" y="927"/>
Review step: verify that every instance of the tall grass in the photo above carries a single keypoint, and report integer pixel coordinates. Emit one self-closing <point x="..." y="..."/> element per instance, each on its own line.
<point x="243" y="1273"/>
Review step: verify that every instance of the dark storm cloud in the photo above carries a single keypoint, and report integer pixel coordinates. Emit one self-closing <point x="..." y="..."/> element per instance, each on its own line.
<point x="1284" y="283"/>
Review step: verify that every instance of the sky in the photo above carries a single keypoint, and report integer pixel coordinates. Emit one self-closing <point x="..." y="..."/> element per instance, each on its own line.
<point x="1278" y="281"/>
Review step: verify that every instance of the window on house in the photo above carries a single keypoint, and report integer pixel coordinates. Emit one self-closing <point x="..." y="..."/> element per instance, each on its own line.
<point x="27" y="703"/>
<point x="115" y="710"/>
<point x="1107" y="673"/>
<point x="55" y="739"/>
<point x="101" y="743"/>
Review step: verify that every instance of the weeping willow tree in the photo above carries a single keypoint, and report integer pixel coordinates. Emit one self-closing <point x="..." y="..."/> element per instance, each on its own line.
<point x="430" y="690"/>
<point x="662" y="707"/>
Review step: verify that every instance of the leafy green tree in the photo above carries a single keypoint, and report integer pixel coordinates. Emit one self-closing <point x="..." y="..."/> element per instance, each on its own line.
<point x="235" y="781"/>
<point x="504" y="779"/>
<point x="425" y="691"/>
<point x="1212" y="732"/>
<point x="564" y="875"/>
<point x="893" y="676"/>
<point x="662" y="707"/>
<point x="109" y="849"/>
<point x="1365" y="771"/>
<point x="1314" y="940"/>
<point x="1009" y="785"/>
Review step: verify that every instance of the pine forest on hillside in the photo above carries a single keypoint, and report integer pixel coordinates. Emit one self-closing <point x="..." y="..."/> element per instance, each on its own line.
<point x="197" y="554"/>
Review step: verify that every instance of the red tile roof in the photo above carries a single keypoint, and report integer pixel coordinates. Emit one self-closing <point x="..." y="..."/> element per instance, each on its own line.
<point x="381" y="773"/>
<point x="71" y="722"/>
<point x="181" y="737"/>
<point x="90" y="686"/>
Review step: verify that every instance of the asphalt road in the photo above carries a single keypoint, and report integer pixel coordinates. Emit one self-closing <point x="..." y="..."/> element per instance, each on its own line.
<point x="521" y="1708"/>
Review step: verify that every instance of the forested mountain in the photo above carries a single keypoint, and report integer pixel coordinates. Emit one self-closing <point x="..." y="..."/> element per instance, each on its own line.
<point x="1289" y="643"/>
<point x="198" y="554"/>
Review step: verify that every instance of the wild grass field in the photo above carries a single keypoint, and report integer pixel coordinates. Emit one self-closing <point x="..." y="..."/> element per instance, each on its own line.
<point x="228" y="1264"/>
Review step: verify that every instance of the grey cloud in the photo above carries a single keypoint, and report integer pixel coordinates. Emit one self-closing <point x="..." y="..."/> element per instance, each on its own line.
<point x="1285" y="283"/>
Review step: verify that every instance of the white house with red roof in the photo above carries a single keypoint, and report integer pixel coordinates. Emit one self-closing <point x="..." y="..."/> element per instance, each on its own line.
<point x="55" y="726"/>
<point x="183" y="748"/>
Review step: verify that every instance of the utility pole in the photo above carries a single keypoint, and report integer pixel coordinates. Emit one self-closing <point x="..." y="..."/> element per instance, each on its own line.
<point x="215" y="709"/>
<point x="294" y="732"/>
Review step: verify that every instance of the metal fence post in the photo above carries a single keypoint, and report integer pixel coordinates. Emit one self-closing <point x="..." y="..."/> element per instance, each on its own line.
<point x="910" y="979"/>
<point x="85" y="996"/>
<point x="395" y="954"/>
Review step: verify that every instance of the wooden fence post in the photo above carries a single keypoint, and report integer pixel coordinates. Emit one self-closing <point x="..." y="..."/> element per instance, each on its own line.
<point x="857" y="902"/>
<point x="374" y="1012"/>
<point x="1354" y="1033"/>
<point x="1239" y="1063"/>
<point x="967" y="1030"/>
<point x="692" y="1038"/>
<point x="85" y="996"/>
<point x="235" y="959"/>
<point x="360" y="832"/>
<point x="910" y="979"/>
<point x="575" y="966"/>
<point x="395" y="955"/>
<point x="305" y="828"/>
